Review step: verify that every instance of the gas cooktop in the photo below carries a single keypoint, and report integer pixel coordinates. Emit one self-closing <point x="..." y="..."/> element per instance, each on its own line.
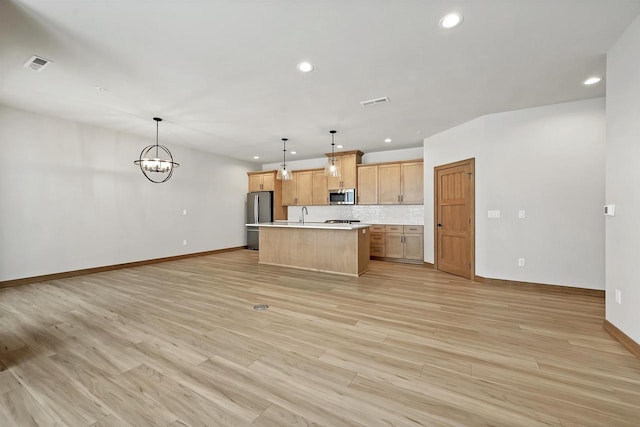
<point x="341" y="221"/>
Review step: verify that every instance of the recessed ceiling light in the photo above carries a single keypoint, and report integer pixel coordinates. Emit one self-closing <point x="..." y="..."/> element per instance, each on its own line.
<point x="256" y="157"/>
<point x="305" y="67"/>
<point x="293" y="152"/>
<point x="451" y="20"/>
<point x="339" y="146"/>
<point x="592" y="80"/>
<point x="388" y="140"/>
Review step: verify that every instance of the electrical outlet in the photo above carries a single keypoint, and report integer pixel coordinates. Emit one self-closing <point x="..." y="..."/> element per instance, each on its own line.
<point x="520" y="262"/>
<point x="522" y="214"/>
<point x="493" y="214"/>
<point x="184" y="242"/>
<point x="618" y="296"/>
<point x="184" y="212"/>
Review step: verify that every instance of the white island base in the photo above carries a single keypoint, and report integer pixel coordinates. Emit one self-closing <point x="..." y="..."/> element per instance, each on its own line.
<point x="341" y="250"/>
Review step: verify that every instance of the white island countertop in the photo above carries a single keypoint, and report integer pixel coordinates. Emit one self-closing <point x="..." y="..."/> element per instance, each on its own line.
<point x="313" y="225"/>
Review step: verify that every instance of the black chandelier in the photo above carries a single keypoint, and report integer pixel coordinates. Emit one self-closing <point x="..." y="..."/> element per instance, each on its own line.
<point x="151" y="166"/>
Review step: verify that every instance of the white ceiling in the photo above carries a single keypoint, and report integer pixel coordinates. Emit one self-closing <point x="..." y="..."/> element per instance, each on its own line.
<point x="222" y="73"/>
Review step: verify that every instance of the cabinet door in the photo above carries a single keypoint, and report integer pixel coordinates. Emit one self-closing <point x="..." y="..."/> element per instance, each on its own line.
<point x="367" y="185"/>
<point x="333" y="182"/>
<point x="393" y="245"/>
<point x="289" y="192"/>
<point x="255" y="182"/>
<point x="304" y="183"/>
<point x="389" y="184"/>
<point x="268" y="181"/>
<point x="320" y="189"/>
<point x="412" y="183"/>
<point x="413" y="246"/>
<point x="349" y="174"/>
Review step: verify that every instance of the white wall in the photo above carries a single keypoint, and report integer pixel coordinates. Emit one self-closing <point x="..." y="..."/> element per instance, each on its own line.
<point x="548" y="161"/>
<point x="623" y="181"/>
<point x="71" y="198"/>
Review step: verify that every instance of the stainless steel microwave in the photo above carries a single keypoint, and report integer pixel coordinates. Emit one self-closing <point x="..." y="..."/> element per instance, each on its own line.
<point x="345" y="196"/>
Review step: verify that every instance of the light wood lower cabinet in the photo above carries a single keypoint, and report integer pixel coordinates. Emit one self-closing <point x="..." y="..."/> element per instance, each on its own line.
<point x="397" y="242"/>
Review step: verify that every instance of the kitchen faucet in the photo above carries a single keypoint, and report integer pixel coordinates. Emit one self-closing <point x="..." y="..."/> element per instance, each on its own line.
<point x="304" y="210"/>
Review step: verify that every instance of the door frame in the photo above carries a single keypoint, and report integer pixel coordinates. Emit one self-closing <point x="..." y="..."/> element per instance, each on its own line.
<point x="472" y="212"/>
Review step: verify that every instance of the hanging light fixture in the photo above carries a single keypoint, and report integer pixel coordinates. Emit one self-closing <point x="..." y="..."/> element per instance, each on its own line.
<point x="332" y="169"/>
<point x="155" y="165"/>
<point x="283" y="173"/>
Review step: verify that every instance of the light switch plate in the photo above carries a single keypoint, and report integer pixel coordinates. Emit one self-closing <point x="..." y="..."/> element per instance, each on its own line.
<point x="609" y="210"/>
<point x="522" y="214"/>
<point x="493" y="214"/>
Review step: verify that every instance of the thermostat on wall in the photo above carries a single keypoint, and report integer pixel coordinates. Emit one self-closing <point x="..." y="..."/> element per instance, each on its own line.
<point x="609" y="210"/>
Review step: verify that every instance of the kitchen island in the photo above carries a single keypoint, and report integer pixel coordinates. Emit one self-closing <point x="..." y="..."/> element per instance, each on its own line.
<point x="333" y="248"/>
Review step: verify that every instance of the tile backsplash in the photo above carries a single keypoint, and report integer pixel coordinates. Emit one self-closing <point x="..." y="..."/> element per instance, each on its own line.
<point x="369" y="214"/>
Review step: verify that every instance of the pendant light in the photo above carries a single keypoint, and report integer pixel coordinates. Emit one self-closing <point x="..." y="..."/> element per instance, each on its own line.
<point x="283" y="173"/>
<point x="155" y="167"/>
<point x="332" y="169"/>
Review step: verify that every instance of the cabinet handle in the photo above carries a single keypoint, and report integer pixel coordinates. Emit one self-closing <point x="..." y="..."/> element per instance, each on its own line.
<point x="402" y="198"/>
<point x="398" y="197"/>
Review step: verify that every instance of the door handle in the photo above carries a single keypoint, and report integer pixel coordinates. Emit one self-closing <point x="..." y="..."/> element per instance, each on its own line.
<point x="256" y="210"/>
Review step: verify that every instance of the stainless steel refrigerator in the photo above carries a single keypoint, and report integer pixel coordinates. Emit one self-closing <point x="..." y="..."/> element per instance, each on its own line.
<point x="259" y="209"/>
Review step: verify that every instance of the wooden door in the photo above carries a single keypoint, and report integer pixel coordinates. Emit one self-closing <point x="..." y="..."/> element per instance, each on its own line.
<point x="367" y="185"/>
<point x="389" y="184"/>
<point x="412" y="175"/>
<point x="268" y="181"/>
<point x="304" y="189"/>
<point x="454" y="218"/>
<point x="320" y="189"/>
<point x="255" y="182"/>
<point x="289" y="191"/>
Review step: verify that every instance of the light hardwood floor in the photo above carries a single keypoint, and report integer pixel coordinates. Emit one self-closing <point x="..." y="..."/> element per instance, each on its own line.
<point x="179" y="344"/>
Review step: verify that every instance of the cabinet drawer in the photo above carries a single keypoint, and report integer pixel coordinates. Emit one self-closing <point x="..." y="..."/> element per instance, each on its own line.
<point x="376" y="238"/>
<point x="413" y="229"/>
<point x="394" y="229"/>
<point x="376" y="250"/>
<point x="377" y="228"/>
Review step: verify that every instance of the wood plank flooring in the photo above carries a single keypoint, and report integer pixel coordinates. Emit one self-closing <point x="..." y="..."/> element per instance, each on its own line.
<point x="178" y="344"/>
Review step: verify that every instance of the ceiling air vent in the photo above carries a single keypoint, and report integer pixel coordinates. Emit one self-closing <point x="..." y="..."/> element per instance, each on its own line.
<point x="374" y="101"/>
<point x="36" y="63"/>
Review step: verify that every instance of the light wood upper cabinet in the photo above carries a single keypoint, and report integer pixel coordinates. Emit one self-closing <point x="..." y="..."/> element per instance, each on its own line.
<point x="304" y="188"/>
<point x="389" y="183"/>
<point x="268" y="181"/>
<point x="367" y="185"/>
<point x="346" y="164"/>
<point x="320" y="188"/>
<point x="412" y="176"/>
<point x="349" y="172"/>
<point x="298" y="191"/>
<point x="401" y="183"/>
<point x="262" y="181"/>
